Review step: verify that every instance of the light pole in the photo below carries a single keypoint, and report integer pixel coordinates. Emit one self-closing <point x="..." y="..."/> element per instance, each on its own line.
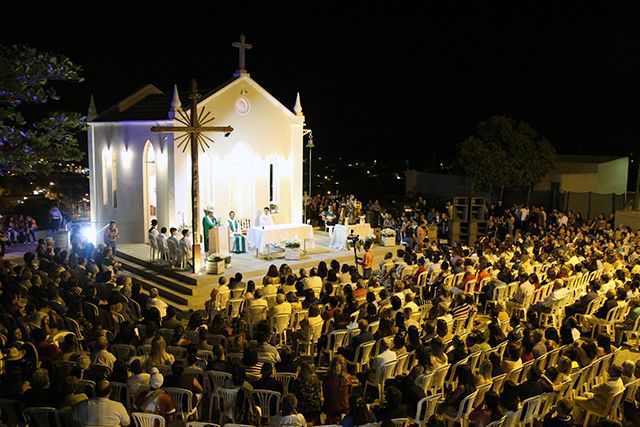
<point x="310" y="146"/>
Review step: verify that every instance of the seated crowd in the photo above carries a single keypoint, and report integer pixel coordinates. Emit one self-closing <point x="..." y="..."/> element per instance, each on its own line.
<point x="521" y="328"/>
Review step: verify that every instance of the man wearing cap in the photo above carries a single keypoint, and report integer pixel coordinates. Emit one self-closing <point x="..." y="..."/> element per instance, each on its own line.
<point x="100" y="410"/>
<point x="208" y="222"/>
<point x="156" y="400"/>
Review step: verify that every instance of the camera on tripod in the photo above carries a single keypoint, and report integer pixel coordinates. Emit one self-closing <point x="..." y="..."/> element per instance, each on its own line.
<point x="353" y="238"/>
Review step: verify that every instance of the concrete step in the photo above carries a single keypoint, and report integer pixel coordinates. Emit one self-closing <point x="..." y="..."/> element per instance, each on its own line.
<point x="170" y="297"/>
<point x="158" y="267"/>
<point x="176" y="291"/>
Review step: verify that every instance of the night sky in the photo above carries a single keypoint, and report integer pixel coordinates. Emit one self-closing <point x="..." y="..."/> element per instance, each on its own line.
<point x="380" y="82"/>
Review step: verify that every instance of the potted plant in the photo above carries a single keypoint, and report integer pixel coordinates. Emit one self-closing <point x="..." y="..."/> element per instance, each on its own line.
<point x="215" y="264"/>
<point x="388" y="237"/>
<point x="292" y="249"/>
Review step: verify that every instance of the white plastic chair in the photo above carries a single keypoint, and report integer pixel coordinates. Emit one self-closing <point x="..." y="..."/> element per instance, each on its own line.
<point x="263" y="399"/>
<point x="284" y="378"/>
<point x="180" y="353"/>
<point x="142" y="419"/>
<point x="123" y="351"/>
<point x="120" y="393"/>
<point x="462" y="417"/>
<point x="183" y="401"/>
<point x="43" y="417"/>
<point x="530" y="408"/>
<point x="201" y="424"/>
<point x="175" y="254"/>
<point x="362" y="356"/>
<point x="612" y="405"/>
<point x="382" y="373"/>
<point x="215" y="380"/>
<point x="437" y="383"/>
<point x="426" y="408"/>
<point x="226" y="398"/>
<point x="280" y="326"/>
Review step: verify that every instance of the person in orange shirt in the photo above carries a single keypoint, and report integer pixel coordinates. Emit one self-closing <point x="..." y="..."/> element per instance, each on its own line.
<point x="367" y="261"/>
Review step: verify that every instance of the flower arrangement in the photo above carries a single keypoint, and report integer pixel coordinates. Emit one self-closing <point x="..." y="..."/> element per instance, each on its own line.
<point x="292" y="243"/>
<point x="388" y="232"/>
<point x="273" y="207"/>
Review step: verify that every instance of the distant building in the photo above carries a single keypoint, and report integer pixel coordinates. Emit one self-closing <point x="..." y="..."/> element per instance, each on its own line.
<point x="590" y="185"/>
<point x="587" y="174"/>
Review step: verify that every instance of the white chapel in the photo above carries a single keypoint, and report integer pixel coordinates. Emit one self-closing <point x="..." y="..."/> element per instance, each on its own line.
<point x="137" y="175"/>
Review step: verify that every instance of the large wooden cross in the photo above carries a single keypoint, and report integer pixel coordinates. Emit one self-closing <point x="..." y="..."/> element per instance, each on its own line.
<point x="193" y="129"/>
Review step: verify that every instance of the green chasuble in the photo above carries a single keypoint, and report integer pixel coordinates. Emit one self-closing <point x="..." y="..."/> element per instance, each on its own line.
<point x="207" y="224"/>
<point x="238" y="242"/>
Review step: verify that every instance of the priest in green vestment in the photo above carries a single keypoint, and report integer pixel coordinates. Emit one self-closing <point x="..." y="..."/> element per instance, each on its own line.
<point x="238" y="241"/>
<point x="208" y="222"/>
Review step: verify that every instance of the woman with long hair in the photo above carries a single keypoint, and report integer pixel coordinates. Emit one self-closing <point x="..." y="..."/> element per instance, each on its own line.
<point x="413" y="339"/>
<point x="336" y="388"/>
<point x="272" y="277"/>
<point x="485" y="371"/>
<point x="308" y="390"/>
<point x="158" y="355"/>
<point x="437" y="356"/>
<point x="322" y="270"/>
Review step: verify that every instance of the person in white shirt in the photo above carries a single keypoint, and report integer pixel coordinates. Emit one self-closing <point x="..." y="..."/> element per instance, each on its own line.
<point x="282" y="306"/>
<point x="155" y="301"/>
<point x="558" y="294"/>
<point x="174" y="235"/>
<point x="154" y="228"/>
<point x="525" y="290"/>
<point x="386" y="355"/>
<point x="102" y="355"/>
<point x="408" y="299"/>
<point x="265" y="218"/>
<point x="313" y="281"/>
<point x="186" y="244"/>
<point x="100" y="410"/>
<point x="161" y="238"/>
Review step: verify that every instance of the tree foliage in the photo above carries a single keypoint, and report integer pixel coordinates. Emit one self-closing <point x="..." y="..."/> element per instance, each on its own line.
<point x="35" y="146"/>
<point x="506" y="153"/>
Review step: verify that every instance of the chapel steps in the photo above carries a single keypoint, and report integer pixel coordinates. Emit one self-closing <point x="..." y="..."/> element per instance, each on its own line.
<point x="154" y="266"/>
<point x="178" y="290"/>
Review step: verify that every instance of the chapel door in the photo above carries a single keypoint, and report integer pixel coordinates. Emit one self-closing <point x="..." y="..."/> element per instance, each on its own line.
<point x="150" y="184"/>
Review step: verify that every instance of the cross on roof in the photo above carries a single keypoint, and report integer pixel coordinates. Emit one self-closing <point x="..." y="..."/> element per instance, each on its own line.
<point x="242" y="46"/>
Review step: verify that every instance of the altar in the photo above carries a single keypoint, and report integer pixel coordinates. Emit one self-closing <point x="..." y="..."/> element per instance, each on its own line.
<point x="262" y="237"/>
<point x="341" y="231"/>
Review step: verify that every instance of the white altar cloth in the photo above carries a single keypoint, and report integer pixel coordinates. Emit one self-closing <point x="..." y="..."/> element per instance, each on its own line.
<point x="259" y="237"/>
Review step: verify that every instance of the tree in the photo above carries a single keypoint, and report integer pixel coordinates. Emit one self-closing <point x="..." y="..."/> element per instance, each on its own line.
<point x="35" y="146"/>
<point x="506" y="153"/>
